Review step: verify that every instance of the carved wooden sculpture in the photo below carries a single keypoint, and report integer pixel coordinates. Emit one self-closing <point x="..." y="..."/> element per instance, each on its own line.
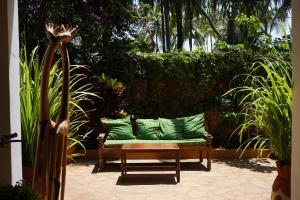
<point x="50" y="164"/>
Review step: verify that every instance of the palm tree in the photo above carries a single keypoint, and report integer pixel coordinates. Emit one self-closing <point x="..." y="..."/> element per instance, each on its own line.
<point x="178" y="11"/>
<point x="163" y="34"/>
<point x="267" y="11"/>
<point x="167" y="23"/>
<point x="179" y="19"/>
<point x="199" y="14"/>
<point x="189" y="21"/>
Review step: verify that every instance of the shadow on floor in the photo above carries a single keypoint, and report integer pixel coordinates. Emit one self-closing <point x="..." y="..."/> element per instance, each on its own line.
<point x="147" y="179"/>
<point x="184" y="166"/>
<point x="255" y="165"/>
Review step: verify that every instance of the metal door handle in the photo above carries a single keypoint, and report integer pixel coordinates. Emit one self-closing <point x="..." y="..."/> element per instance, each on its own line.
<point x="6" y="139"/>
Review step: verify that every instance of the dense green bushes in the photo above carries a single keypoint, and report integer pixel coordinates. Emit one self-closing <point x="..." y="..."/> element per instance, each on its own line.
<point x="189" y="65"/>
<point x="192" y="81"/>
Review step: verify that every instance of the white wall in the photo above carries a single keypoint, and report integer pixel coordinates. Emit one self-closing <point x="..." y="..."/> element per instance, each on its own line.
<point x="10" y="155"/>
<point x="296" y="101"/>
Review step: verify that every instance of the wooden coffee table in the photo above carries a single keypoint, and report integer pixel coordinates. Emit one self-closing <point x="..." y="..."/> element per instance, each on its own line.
<point x="150" y="148"/>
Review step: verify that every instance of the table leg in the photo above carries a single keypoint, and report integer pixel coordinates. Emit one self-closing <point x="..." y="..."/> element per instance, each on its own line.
<point x="201" y="156"/>
<point x="177" y="166"/>
<point x="208" y="160"/>
<point x="125" y="163"/>
<point x="122" y="166"/>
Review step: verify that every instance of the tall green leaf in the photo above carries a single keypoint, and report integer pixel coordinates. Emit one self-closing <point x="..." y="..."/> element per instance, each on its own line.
<point x="30" y="80"/>
<point x="267" y="105"/>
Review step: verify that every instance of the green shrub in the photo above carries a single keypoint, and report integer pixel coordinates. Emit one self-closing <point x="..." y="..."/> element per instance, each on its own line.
<point x="18" y="192"/>
<point x="113" y="99"/>
<point x="30" y="79"/>
<point x="224" y="136"/>
<point x="267" y="107"/>
<point x="184" y="83"/>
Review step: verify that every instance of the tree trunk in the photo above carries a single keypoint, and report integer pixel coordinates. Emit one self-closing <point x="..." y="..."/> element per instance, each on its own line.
<point x="167" y="23"/>
<point x="190" y="18"/>
<point x="163" y="35"/>
<point x="191" y="37"/>
<point x="263" y="16"/>
<point x="210" y="22"/>
<point x="156" y="41"/>
<point x="152" y="35"/>
<point x="231" y="32"/>
<point x="178" y="10"/>
<point x="211" y="42"/>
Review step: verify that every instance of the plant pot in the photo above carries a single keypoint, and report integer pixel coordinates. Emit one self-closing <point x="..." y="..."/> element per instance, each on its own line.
<point x="281" y="189"/>
<point x="27" y="174"/>
<point x="70" y="151"/>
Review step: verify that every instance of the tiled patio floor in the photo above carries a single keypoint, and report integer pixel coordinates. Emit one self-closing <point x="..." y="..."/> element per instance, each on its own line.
<point x="228" y="180"/>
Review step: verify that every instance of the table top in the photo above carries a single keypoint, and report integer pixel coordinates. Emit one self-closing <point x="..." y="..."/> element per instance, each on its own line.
<point x="150" y="147"/>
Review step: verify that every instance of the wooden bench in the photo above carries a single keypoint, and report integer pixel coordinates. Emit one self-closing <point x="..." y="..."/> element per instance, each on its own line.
<point x="103" y="148"/>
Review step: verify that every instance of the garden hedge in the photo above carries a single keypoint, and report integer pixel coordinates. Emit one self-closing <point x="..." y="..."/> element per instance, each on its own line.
<point x="183" y="83"/>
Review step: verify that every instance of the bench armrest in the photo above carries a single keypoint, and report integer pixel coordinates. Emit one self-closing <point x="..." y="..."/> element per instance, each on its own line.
<point x="101" y="139"/>
<point x="208" y="138"/>
<point x="101" y="136"/>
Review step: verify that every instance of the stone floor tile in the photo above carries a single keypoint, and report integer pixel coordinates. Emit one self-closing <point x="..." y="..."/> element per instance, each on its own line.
<point x="228" y="180"/>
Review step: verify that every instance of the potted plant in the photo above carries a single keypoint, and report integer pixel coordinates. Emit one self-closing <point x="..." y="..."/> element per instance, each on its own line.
<point x="29" y="108"/>
<point x="266" y="100"/>
<point x="30" y="71"/>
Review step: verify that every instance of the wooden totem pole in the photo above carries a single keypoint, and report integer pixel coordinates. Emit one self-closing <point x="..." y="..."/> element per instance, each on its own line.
<point x="50" y="162"/>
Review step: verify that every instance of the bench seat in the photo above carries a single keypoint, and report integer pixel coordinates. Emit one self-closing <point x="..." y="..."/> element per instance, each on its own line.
<point x="183" y="142"/>
<point x="199" y="144"/>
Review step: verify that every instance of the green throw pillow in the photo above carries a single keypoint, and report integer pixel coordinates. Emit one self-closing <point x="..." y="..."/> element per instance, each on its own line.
<point x="147" y="129"/>
<point x="193" y="126"/>
<point x="118" y="129"/>
<point x="171" y="129"/>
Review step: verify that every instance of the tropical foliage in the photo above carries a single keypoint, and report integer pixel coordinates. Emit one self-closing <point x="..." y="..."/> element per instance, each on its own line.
<point x="113" y="97"/>
<point x="166" y="24"/>
<point x="137" y="51"/>
<point x="200" y="22"/>
<point x="30" y="70"/>
<point x="183" y="83"/>
<point x="29" y="100"/>
<point x="105" y="29"/>
<point x="267" y="107"/>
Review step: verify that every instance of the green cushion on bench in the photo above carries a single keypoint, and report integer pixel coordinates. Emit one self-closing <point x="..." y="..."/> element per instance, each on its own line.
<point x="171" y="129"/>
<point x="184" y="142"/>
<point x="193" y="126"/>
<point x="147" y="129"/>
<point x="118" y="129"/>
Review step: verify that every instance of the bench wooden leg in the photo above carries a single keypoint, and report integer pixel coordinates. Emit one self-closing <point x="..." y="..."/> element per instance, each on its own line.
<point x="177" y="155"/>
<point x="101" y="159"/>
<point x="123" y="165"/>
<point x="208" y="160"/>
<point x="201" y="156"/>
